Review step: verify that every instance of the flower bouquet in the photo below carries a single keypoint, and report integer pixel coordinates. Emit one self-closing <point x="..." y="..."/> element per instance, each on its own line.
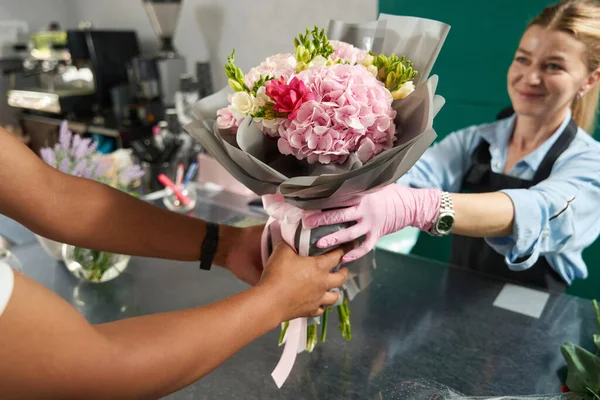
<point x="77" y="156"/>
<point x="321" y="127"/>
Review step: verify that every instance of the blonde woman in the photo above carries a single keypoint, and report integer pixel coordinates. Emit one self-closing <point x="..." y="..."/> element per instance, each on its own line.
<point x="521" y="195"/>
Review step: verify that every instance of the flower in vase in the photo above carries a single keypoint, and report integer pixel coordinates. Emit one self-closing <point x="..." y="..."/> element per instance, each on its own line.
<point x="79" y="157"/>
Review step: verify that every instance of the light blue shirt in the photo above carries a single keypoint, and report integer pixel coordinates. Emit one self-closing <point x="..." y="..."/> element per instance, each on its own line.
<point x="557" y="218"/>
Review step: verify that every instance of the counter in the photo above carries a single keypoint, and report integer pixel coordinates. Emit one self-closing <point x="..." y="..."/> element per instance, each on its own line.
<point x="418" y="319"/>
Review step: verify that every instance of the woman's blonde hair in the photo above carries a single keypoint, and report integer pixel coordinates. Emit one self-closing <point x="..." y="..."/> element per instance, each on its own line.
<point x="580" y="18"/>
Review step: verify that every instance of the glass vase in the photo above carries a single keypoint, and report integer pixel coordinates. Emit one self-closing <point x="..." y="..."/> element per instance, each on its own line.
<point x="94" y="266"/>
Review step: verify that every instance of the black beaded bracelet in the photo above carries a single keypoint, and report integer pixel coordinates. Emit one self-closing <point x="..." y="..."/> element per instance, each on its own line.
<point x="209" y="246"/>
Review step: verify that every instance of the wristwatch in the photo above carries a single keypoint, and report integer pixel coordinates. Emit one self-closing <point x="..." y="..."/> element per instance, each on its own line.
<point x="445" y="220"/>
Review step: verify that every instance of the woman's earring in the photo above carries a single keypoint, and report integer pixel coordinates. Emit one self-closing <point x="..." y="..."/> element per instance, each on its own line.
<point x="579" y="95"/>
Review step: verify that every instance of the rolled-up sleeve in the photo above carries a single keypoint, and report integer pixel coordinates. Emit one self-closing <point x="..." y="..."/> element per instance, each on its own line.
<point x="560" y="214"/>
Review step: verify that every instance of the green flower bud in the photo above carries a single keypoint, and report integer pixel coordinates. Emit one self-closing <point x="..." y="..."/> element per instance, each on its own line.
<point x="390" y="80"/>
<point x="228" y="71"/>
<point x="239" y="75"/>
<point x="301" y="66"/>
<point x="270" y="113"/>
<point x="235" y="85"/>
<point x="302" y="54"/>
<point x="400" y="69"/>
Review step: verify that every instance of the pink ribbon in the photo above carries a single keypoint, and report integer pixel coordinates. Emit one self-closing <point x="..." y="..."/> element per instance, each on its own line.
<point x="283" y="223"/>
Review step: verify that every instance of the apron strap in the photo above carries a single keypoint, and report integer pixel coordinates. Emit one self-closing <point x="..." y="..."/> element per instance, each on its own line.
<point x="561" y="144"/>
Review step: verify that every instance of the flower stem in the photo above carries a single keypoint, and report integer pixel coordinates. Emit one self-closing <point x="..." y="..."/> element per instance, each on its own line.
<point x="286" y="324"/>
<point x="311" y="337"/>
<point x="324" y="327"/>
<point x="344" y="316"/>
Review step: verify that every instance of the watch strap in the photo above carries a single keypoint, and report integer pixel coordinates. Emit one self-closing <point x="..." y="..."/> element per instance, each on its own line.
<point x="209" y="246"/>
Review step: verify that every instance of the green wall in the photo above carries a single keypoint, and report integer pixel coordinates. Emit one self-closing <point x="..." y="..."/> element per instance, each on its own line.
<point x="472" y="67"/>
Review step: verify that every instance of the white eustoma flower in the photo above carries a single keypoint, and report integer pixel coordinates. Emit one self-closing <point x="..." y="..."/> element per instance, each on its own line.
<point x="242" y="104"/>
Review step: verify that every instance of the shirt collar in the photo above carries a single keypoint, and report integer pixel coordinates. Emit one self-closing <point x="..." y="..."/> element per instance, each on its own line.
<point x="498" y="135"/>
<point x="535" y="158"/>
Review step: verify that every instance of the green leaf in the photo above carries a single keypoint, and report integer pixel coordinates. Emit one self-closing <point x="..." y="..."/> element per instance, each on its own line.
<point x="583" y="368"/>
<point x="595" y="394"/>
<point x="79" y="255"/>
<point x="324" y="325"/>
<point x="259" y="114"/>
<point x="597" y="341"/>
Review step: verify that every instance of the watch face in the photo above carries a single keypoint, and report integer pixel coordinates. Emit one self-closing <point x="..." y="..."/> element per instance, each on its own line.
<point x="445" y="223"/>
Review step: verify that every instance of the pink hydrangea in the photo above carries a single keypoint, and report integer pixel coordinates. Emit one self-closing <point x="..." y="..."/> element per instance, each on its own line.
<point x="347" y="52"/>
<point x="276" y="66"/>
<point x="226" y="120"/>
<point x="351" y="113"/>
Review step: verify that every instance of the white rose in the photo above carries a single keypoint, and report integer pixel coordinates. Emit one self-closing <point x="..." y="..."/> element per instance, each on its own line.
<point x="242" y="104"/>
<point x="261" y="97"/>
<point x="404" y="90"/>
<point x="318" y="61"/>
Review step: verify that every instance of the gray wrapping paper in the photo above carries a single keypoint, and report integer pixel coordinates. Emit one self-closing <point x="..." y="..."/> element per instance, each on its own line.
<point x="366" y="36"/>
<point x="420" y="39"/>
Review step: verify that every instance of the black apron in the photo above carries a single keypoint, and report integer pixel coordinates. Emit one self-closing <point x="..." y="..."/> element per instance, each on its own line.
<point x="475" y="253"/>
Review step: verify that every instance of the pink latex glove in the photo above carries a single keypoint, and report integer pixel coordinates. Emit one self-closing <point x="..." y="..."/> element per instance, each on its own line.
<point x="378" y="214"/>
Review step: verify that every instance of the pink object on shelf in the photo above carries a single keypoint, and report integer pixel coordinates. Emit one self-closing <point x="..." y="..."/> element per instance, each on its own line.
<point x="211" y="171"/>
<point x="162" y="178"/>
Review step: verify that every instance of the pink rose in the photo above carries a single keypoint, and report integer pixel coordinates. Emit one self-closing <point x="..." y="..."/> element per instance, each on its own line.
<point x="288" y="98"/>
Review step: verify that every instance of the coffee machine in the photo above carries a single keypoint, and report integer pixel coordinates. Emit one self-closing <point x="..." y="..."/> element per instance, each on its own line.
<point x="72" y="72"/>
<point x="156" y="77"/>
